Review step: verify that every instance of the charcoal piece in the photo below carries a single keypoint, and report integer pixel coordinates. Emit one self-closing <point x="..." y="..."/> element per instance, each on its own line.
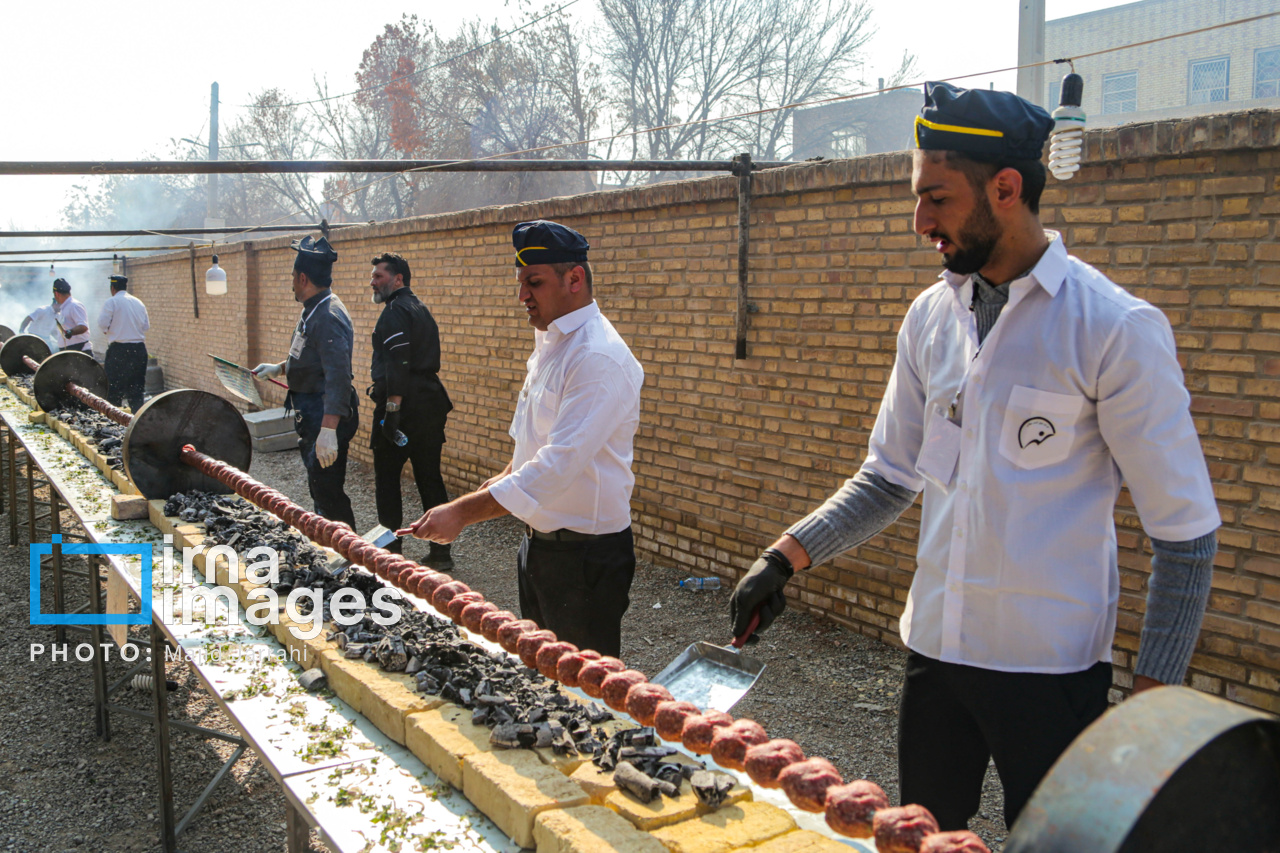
<point x="672" y="774"/>
<point x="543" y="736"/>
<point x="355" y="650"/>
<point x="636" y="783"/>
<point x="480" y="716"/>
<point x="391" y="654"/>
<point x="536" y="715"/>
<point x="342" y="640"/>
<point x="711" y="788"/>
<point x="505" y="736"/>
<point x="313" y="680"/>
<point x="564" y="745"/>
<point x="414" y="664"/>
<point x="502" y="714"/>
<point x="370" y="653"/>
<point x="427" y="684"/>
<point x="596" y="714"/>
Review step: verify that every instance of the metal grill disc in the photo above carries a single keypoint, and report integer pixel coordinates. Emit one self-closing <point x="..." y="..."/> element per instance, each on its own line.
<point x="57" y="370"/>
<point x="153" y="442"/>
<point x="16" y="347"/>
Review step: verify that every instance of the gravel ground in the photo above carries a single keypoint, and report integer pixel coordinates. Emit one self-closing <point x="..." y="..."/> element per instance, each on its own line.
<point x="832" y="691"/>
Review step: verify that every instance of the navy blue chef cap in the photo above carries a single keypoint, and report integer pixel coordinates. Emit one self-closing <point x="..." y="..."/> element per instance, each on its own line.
<point x="982" y="122"/>
<point x="315" y="258"/>
<point x="119" y="281"/>
<point x="543" y="242"/>
<point x="61" y="285"/>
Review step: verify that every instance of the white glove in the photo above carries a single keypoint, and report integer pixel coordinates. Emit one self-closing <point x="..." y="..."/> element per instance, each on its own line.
<point x="327" y="447"/>
<point x="267" y="370"/>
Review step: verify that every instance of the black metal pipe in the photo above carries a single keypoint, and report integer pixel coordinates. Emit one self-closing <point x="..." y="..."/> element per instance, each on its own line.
<point x="245" y="167"/>
<point x="87" y="251"/>
<point x="43" y="261"/>
<point x="168" y="232"/>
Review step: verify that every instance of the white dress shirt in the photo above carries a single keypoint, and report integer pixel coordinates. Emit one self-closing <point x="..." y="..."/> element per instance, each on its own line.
<point x="573" y="429"/>
<point x="71" y="314"/>
<point x="1075" y="387"/>
<point x="42" y="325"/>
<point x="123" y="319"/>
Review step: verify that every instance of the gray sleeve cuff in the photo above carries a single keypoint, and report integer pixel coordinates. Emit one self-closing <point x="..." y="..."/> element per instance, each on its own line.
<point x="866" y="504"/>
<point x="1181" y="574"/>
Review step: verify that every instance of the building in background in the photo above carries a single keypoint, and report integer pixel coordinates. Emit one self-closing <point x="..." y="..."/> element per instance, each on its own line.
<point x="872" y="125"/>
<point x="1232" y="68"/>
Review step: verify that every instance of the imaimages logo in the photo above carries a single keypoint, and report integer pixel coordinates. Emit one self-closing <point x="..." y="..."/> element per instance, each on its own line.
<point x="347" y="606"/>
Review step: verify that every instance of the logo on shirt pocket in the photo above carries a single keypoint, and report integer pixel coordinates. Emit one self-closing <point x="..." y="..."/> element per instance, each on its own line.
<point x="1039" y="427"/>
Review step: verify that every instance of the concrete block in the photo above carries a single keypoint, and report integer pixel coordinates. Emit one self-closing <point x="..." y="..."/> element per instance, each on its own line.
<point x="268" y="422"/>
<point x="36" y="417"/>
<point x="128" y="507"/>
<point x="274" y="443"/>
<point x="727" y="828"/>
<point x="442" y="737"/>
<point x="513" y="787"/>
<point x="587" y="829"/>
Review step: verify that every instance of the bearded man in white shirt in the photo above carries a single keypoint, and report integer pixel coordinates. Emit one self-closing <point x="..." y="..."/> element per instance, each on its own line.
<point x="569" y="479"/>
<point x="1019" y="433"/>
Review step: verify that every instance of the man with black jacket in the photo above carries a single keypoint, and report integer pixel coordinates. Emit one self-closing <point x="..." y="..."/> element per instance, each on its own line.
<point x="410" y="403"/>
<point x="318" y="369"/>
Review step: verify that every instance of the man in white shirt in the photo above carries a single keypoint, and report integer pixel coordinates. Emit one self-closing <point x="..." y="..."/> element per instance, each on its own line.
<point x="42" y="323"/>
<point x="569" y="479"/>
<point x="72" y="318"/>
<point x="1019" y="433"/>
<point x="124" y="321"/>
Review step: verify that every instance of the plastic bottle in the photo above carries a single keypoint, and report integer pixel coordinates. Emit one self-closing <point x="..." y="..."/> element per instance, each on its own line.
<point x="700" y="583"/>
<point x="400" y="439"/>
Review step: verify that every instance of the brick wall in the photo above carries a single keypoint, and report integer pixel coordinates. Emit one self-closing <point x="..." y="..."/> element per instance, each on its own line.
<point x="729" y="452"/>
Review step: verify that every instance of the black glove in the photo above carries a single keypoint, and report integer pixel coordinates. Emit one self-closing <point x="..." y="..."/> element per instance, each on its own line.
<point x="391" y="425"/>
<point x="760" y="590"/>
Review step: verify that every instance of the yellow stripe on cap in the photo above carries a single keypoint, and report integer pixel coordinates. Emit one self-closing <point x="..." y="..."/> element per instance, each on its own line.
<point x="520" y="260"/>
<point x="953" y="128"/>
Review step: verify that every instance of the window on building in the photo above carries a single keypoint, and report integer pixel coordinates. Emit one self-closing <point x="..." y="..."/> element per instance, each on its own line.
<point x="1055" y="94"/>
<point x="851" y="144"/>
<point x="1266" y="73"/>
<point x="1210" y="81"/>
<point x="1120" y="93"/>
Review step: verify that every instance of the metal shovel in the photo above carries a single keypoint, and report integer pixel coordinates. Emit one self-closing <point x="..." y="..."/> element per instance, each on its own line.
<point x="710" y="676"/>
<point x="239" y="380"/>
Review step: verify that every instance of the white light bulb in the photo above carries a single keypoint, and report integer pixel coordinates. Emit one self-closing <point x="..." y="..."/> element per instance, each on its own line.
<point x="1066" y="143"/>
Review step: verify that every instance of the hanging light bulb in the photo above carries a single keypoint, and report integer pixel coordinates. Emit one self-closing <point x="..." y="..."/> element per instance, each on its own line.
<point x="52" y="274"/>
<point x="215" y="279"/>
<point x="1066" y="143"/>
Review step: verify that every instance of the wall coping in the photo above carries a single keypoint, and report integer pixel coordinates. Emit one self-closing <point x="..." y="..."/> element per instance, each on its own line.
<point x="1247" y="129"/>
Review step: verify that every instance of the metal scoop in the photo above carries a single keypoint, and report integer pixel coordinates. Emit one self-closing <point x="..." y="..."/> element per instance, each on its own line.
<point x="710" y="676"/>
<point x="239" y="380"/>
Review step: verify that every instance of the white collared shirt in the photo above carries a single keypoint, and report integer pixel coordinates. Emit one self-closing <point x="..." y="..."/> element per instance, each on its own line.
<point x="71" y="314"/>
<point x="123" y="319"/>
<point x="573" y="428"/>
<point x="1075" y="387"/>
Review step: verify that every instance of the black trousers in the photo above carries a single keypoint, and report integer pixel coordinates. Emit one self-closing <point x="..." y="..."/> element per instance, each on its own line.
<point x="84" y="346"/>
<point x="426" y="439"/>
<point x="955" y="718"/>
<point x="126" y="367"/>
<point x="327" y="485"/>
<point x="579" y="589"/>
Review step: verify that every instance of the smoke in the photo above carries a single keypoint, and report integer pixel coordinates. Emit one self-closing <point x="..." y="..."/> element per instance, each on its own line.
<point x="28" y="286"/>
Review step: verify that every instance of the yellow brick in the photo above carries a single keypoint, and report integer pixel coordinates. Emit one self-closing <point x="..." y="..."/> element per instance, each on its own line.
<point x="442" y="737"/>
<point x="388" y="697"/>
<point x="589" y="829"/>
<point x="596" y="782"/>
<point x="513" y="787"/>
<point x="344" y="678"/>
<point x="35" y="417"/>
<point x="800" y="841"/>
<point x="726" y="828"/>
<point x="664" y="811"/>
<point x="158" y="518"/>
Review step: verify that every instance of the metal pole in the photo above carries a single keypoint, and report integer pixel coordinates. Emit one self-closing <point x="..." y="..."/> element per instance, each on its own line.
<point x="101" y="716"/>
<point x="13" y="489"/>
<point x="168" y="830"/>
<point x="744" y="236"/>
<point x="246" y="167"/>
<point x="211" y="211"/>
<point x="1031" y="50"/>
<point x="31" y="499"/>
<point x="176" y="232"/>
<point x="88" y="251"/>
<point x="195" y="297"/>
<point x="55" y="536"/>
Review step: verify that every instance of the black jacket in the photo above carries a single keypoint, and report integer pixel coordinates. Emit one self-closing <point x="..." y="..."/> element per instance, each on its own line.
<point x="406" y="356"/>
<point x="325" y="363"/>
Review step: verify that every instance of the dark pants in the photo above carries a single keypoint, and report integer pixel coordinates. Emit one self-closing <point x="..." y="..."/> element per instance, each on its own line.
<point x="426" y="439"/>
<point x="126" y="367"/>
<point x="955" y="718"/>
<point x="579" y="589"/>
<point x="85" y="346"/>
<point x="326" y="484"/>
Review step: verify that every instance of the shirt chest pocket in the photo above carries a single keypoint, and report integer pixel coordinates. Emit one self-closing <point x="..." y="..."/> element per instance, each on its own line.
<point x="540" y="404"/>
<point x="1039" y="427"/>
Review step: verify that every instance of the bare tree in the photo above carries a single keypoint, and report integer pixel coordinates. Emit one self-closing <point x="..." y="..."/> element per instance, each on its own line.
<point x="275" y="129"/>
